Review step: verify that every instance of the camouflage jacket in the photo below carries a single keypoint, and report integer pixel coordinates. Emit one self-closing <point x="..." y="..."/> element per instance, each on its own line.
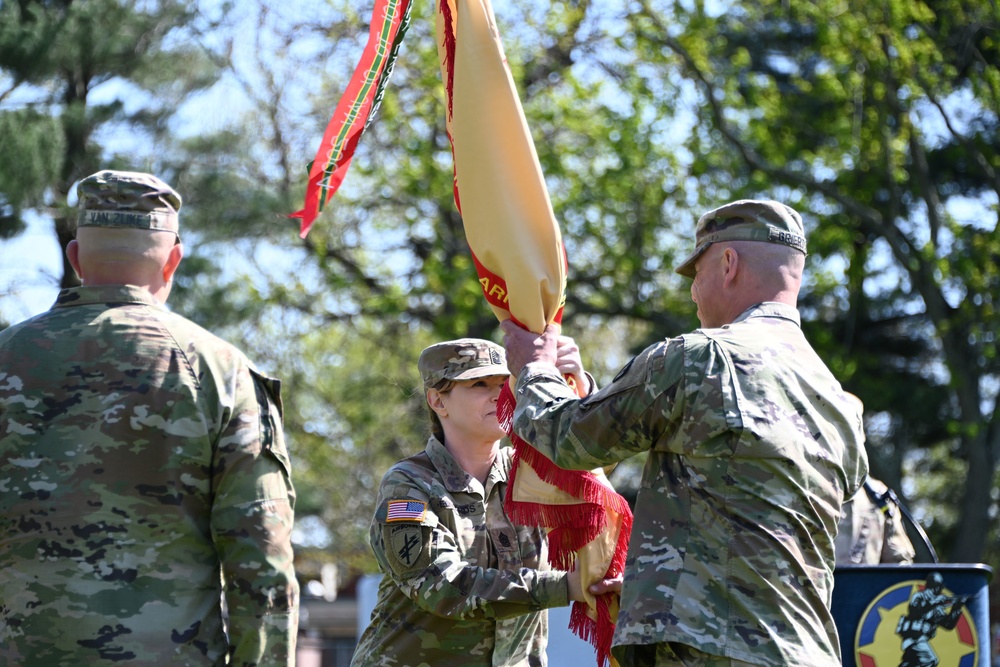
<point x="869" y="535"/>
<point x="752" y="448"/>
<point x="143" y="473"/>
<point x="461" y="584"/>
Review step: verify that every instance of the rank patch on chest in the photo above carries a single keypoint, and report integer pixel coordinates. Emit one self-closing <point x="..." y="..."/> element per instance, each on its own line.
<point x="405" y="510"/>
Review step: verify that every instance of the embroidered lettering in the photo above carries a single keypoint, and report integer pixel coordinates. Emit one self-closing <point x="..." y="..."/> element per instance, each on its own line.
<point x="494" y="292"/>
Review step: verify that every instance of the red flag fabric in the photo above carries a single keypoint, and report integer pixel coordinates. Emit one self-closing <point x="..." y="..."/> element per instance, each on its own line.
<point x="357" y="107"/>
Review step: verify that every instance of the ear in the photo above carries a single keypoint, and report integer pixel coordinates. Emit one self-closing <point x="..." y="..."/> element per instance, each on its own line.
<point x="435" y="399"/>
<point x="73" y="255"/>
<point x="173" y="261"/>
<point x="730" y="266"/>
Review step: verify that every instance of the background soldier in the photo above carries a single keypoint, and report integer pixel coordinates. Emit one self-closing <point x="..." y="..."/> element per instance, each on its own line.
<point x="143" y="470"/>
<point x="871" y="529"/>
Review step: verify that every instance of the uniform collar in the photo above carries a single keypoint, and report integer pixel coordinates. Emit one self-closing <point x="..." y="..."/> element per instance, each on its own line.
<point x="454" y="476"/>
<point x="105" y="294"/>
<point x="771" y="309"/>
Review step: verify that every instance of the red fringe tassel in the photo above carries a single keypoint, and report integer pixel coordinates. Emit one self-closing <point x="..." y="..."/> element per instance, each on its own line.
<point x="571" y="527"/>
<point x="598" y="632"/>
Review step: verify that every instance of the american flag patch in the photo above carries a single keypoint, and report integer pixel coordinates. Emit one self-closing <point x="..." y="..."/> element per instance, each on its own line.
<point x="406" y="510"/>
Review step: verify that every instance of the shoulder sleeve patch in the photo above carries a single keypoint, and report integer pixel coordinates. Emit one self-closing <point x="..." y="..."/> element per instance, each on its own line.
<point x="405" y="510"/>
<point x="407" y="548"/>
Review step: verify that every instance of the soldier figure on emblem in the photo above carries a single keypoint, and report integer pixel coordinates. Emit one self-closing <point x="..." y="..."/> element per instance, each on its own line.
<point x="928" y="610"/>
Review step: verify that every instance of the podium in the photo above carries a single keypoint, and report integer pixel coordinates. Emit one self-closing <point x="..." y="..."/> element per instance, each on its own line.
<point x="905" y="615"/>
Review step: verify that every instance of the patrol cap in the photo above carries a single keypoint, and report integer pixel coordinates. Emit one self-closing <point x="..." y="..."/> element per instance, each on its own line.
<point x="462" y="359"/>
<point x="746" y="220"/>
<point x="128" y="199"/>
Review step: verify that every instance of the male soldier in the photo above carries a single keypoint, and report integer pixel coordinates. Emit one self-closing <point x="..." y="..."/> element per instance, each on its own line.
<point x="752" y="448"/>
<point x="871" y="529"/>
<point x="143" y="470"/>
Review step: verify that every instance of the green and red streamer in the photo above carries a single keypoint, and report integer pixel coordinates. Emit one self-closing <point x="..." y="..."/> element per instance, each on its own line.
<point x="356" y="108"/>
<point x="518" y="253"/>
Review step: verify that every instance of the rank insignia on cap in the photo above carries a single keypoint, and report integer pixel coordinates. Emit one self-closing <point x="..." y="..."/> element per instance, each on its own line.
<point x="406" y="510"/>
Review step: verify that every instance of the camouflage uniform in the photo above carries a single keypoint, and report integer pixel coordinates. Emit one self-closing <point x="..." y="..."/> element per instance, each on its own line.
<point x="869" y="534"/>
<point x="143" y="475"/>
<point x="461" y="584"/>
<point x="752" y="448"/>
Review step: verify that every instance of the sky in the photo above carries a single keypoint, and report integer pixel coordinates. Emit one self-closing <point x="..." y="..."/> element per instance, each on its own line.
<point x="30" y="270"/>
<point x="31" y="263"/>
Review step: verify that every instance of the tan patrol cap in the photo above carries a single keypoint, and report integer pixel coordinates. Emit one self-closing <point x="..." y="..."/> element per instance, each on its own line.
<point x="462" y="359"/>
<point x="746" y="220"/>
<point x="128" y="199"/>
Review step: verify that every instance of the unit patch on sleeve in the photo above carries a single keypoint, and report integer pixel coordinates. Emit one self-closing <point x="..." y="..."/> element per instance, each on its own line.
<point x="405" y="510"/>
<point x="406" y="548"/>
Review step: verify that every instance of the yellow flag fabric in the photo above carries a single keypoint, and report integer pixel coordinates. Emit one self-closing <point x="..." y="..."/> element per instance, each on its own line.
<point x="505" y="205"/>
<point x="518" y="251"/>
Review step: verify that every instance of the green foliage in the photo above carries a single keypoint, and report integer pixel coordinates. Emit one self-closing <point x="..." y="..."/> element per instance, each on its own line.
<point x="57" y="60"/>
<point x="94" y="40"/>
<point x="878" y="121"/>
<point x="359" y="408"/>
<point x="33" y="144"/>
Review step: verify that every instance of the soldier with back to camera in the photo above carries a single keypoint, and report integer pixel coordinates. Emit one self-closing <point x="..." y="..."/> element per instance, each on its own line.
<point x="143" y="470"/>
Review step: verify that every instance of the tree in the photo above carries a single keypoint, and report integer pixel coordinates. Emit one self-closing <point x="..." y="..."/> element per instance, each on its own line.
<point x="387" y="266"/>
<point x="881" y="120"/>
<point x="72" y="69"/>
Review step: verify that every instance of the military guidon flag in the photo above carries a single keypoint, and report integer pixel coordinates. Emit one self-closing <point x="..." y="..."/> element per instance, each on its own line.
<point x="518" y="253"/>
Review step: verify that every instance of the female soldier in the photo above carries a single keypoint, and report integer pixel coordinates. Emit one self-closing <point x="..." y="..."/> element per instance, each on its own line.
<point x="462" y="584"/>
